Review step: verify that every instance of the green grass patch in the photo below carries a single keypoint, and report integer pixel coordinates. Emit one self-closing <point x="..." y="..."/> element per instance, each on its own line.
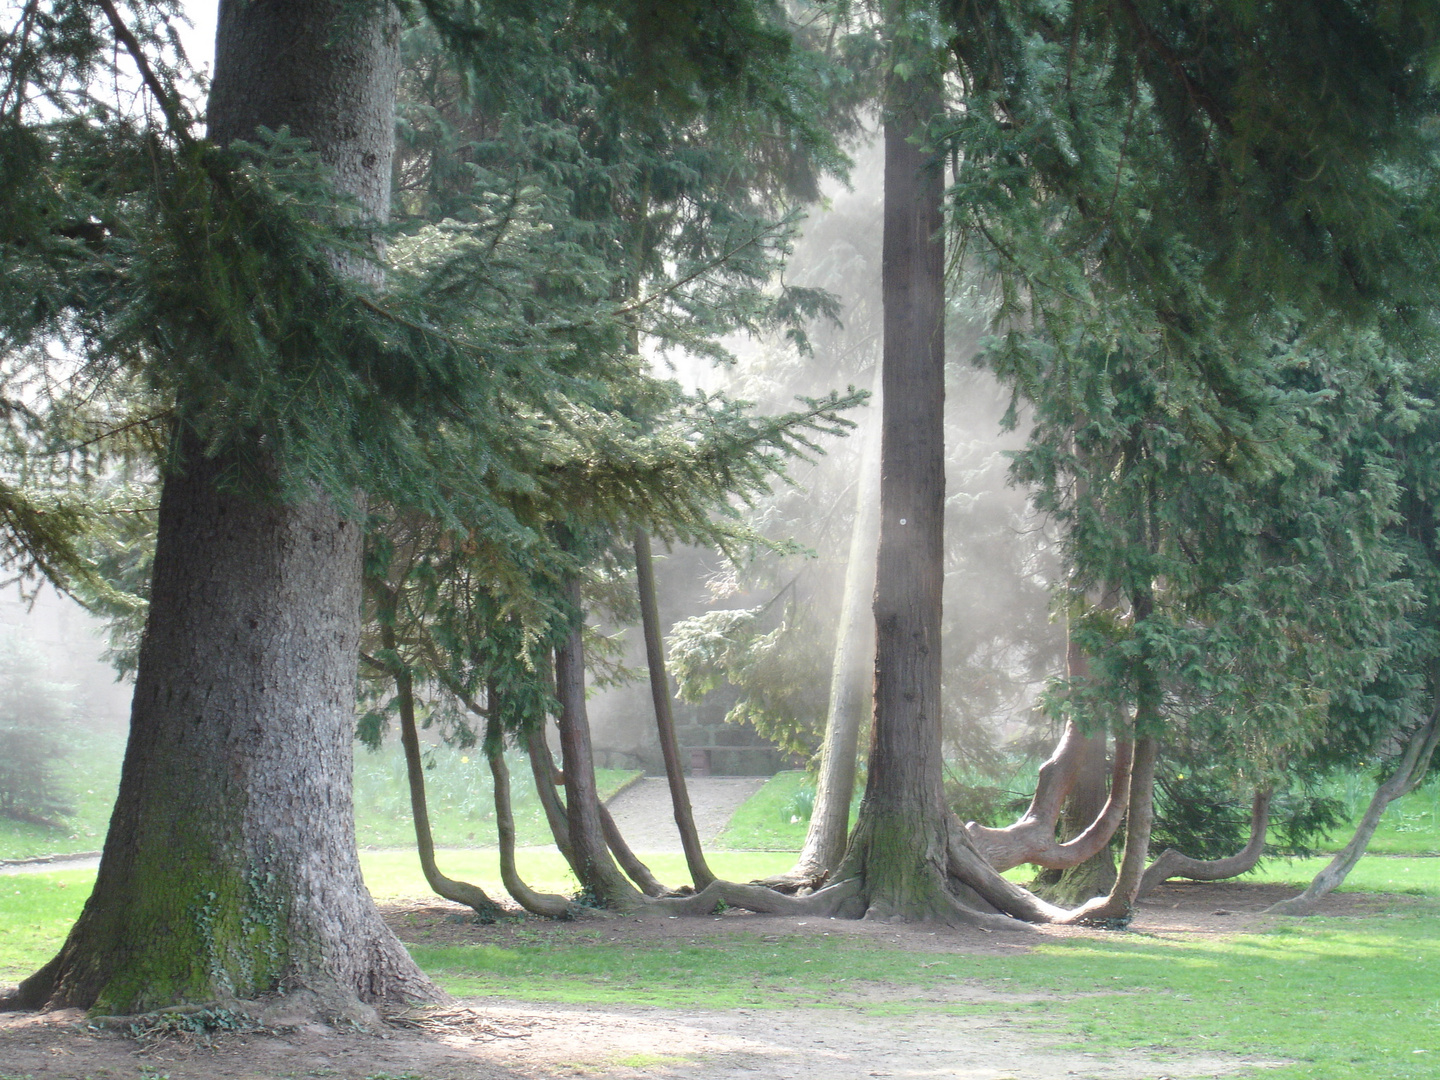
<point x="36" y="912"/>
<point x="776" y="817"/>
<point x="1342" y="999"/>
<point x="90" y="776"/>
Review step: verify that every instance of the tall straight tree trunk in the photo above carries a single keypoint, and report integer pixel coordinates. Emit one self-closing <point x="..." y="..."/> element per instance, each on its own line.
<point x="665" y="714"/>
<point x="230" y="869"/>
<point x="851" y="678"/>
<point x="900" y="845"/>
<point x="598" y="874"/>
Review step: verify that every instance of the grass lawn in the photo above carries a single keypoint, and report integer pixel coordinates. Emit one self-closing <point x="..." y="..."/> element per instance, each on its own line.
<point x="1337" y="999"/>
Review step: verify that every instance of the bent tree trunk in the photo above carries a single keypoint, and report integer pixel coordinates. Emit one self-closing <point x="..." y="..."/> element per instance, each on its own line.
<point x="850" y="681"/>
<point x="1408" y="773"/>
<point x="1172" y="863"/>
<point x="459" y="892"/>
<point x="900" y="847"/>
<point x="230" y="867"/>
<point x="537" y="903"/>
<point x="598" y="874"/>
<point x="700" y="872"/>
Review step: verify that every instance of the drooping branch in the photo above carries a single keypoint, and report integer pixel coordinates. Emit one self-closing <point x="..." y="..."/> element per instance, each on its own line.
<point x="1172" y="863"/>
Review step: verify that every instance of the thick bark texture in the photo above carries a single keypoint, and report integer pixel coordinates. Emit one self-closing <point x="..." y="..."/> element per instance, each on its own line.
<point x="900" y="848"/>
<point x="1097" y="784"/>
<point x="598" y="874"/>
<point x="1408" y="773"/>
<point x="537" y="903"/>
<point x="851" y="681"/>
<point x="665" y="715"/>
<point x="1172" y="863"/>
<point x="230" y="868"/>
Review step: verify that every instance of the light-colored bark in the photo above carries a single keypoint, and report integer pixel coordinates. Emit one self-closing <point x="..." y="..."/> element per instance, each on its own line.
<point x="1032" y="839"/>
<point x="851" y="679"/>
<point x="1172" y="863"/>
<point x="1139" y="818"/>
<point x="1408" y="773"/>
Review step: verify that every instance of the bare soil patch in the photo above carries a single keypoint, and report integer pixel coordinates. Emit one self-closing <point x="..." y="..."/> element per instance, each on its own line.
<point x="494" y="1039"/>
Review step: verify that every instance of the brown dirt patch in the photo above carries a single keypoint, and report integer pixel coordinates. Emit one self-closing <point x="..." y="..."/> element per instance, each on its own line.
<point x="492" y="1039"/>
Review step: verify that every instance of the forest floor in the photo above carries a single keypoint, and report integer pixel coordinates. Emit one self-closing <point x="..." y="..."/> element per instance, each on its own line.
<point x="896" y="1021"/>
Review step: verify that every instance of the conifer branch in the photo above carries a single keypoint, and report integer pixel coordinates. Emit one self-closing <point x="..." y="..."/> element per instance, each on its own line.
<point x="165" y="96"/>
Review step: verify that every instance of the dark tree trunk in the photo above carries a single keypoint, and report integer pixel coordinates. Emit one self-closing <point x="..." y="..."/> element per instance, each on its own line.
<point x="664" y="713"/>
<point x="598" y="874"/>
<point x="547" y="778"/>
<point x="900" y="848"/>
<point x="230" y="868"/>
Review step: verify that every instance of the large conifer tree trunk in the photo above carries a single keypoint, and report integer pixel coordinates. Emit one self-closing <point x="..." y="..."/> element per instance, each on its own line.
<point x="230" y="868"/>
<point x="900" y="844"/>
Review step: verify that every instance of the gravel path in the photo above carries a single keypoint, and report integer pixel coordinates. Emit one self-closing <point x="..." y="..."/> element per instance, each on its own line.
<point x="646" y="817"/>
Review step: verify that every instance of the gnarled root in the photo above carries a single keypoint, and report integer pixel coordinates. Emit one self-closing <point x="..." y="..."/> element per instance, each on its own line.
<point x="1172" y="863"/>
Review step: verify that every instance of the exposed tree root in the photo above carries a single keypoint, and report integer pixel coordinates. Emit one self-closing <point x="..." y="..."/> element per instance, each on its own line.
<point x="1032" y="838"/>
<point x="1172" y="864"/>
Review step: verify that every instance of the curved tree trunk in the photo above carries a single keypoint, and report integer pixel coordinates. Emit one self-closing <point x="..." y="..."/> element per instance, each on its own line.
<point x="547" y="779"/>
<point x="459" y="892"/>
<point x="1172" y="864"/>
<point x="1408" y="773"/>
<point x="537" y="903"/>
<point x="598" y="874"/>
<point x="1032" y="838"/>
<point x="1097" y="786"/>
<point x="230" y="867"/>
<point x="1119" y="903"/>
<point x="700" y="872"/>
<point x="850" y="681"/>
<point x="634" y="869"/>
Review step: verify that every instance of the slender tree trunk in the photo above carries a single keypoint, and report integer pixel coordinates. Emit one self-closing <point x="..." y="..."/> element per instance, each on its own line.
<point x="1173" y="864"/>
<point x="547" y="779"/>
<point x="664" y="714"/>
<point x="537" y="903"/>
<point x="1408" y="773"/>
<point x="598" y="874"/>
<point x="459" y="892"/>
<point x="851" y="679"/>
<point x="1119" y="903"/>
<point x="230" y="868"/>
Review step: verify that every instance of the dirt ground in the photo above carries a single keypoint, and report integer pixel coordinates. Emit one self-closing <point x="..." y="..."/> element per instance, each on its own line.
<point x="495" y="1039"/>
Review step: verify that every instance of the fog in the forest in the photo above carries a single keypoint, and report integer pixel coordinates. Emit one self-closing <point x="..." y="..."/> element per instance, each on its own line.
<point x="1000" y="644"/>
